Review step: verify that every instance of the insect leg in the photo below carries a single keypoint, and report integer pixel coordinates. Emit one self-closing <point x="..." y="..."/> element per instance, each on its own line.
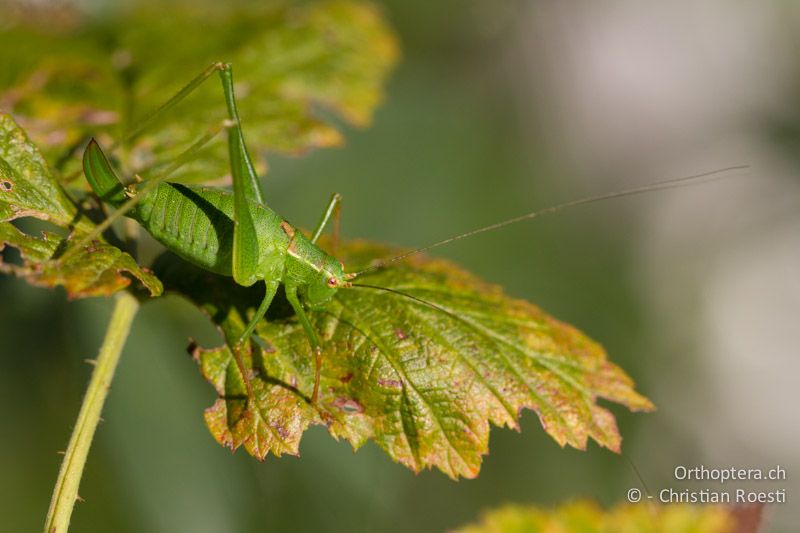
<point x="271" y="289"/>
<point x="246" y="192"/>
<point x="240" y="159"/>
<point x="334" y="209"/>
<point x="291" y="295"/>
<point x="269" y="294"/>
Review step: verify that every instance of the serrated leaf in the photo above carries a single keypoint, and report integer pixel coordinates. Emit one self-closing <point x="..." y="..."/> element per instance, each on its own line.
<point x="422" y="375"/>
<point x="27" y="189"/>
<point x="289" y="58"/>
<point x="588" y="517"/>
<point x="97" y="269"/>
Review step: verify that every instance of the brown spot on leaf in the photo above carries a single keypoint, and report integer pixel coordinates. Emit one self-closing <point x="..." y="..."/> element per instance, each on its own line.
<point x="400" y="334"/>
<point x="282" y="431"/>
<point x="346" y="378"/>
<point x="193" y="348"/>
<point x="6" y="185"/>
<point x="348" y="405"/>
<point x="391" y="383"/>
<point x="92" y="248"/>
<point x="267" y="347"/>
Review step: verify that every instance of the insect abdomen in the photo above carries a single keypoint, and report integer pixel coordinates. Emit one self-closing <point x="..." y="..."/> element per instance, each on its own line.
<point x="195" y="223"/>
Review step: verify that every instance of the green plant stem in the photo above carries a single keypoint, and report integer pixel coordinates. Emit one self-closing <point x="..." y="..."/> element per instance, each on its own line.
<point x="65" y="491"/>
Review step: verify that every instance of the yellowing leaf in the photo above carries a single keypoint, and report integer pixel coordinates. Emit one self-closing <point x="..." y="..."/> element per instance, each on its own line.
<point x="422" y="373"/>
<point x="108" y="73"/>
<point x="288" y="61"/>
<point x="98" y="269"/>
<point x="588" y="517"/>
<point x="27" y="189"/>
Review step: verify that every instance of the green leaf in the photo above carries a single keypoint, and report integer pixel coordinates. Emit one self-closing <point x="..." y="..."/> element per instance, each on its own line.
<point x="26" y="186"/>
<point x="588" y="517"/>
<point x="298" y="67"/>
<point x="27" y="189"/>
<point x="423" y="376"/>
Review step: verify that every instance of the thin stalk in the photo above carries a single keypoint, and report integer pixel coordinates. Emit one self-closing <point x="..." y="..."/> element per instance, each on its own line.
<point x="65" y="492"/>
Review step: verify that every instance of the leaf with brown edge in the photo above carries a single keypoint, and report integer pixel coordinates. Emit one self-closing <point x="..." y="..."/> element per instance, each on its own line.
<point x="27" y="189"/>
<point x="274" y="422"/>
<point x="423" y="375"/>
<point x="97" y="269"/>
<point x="587" y="517"/>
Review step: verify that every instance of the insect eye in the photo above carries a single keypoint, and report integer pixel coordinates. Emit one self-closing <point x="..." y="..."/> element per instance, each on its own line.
<point x="332" y="282"/>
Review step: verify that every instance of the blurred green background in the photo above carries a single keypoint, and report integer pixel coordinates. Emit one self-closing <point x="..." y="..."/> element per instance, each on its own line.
<point x="495" y="109"/>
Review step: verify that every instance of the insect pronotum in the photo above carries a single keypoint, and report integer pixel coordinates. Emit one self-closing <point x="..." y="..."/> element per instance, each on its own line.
<point x="236" y="234"/>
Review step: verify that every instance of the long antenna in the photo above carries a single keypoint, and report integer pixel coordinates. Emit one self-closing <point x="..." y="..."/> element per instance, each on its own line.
<point x="406" y="295"/>
<point x="672" y="183"/>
